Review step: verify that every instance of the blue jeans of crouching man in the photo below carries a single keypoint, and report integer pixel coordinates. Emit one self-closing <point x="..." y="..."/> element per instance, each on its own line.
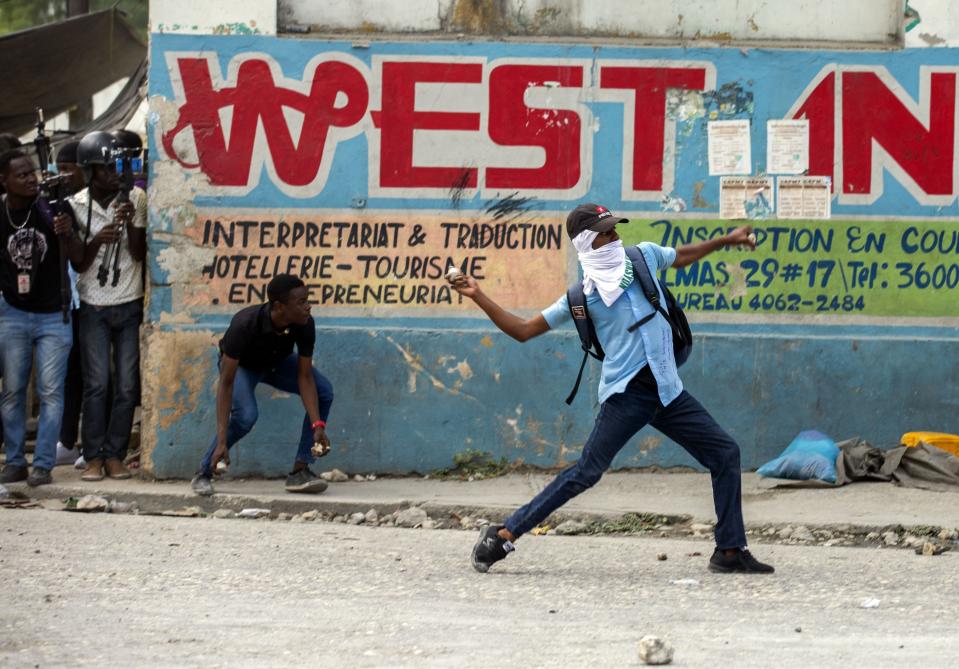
<point x="244" y="411"/>
<point x="20" y="331"/>
<point x="685" y="421"/>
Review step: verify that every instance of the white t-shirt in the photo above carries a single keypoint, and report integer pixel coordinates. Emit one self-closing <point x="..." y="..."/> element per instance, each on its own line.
<point x="130" y="284"/>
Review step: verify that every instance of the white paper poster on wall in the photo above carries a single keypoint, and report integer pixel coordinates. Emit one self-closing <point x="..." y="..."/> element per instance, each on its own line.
<point x="804" y="197"/>
<point x="729" y="147"/>
<point x="787" y="146"/>
<point x="746" y="197"/>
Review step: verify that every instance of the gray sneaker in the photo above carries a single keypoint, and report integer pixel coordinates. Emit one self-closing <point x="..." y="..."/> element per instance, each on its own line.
<point x="305" y="481"/>
<point x="202" y="485"/>
<point x="39" y="476"/>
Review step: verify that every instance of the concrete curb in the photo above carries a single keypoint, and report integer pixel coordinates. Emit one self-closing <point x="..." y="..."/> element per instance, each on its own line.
<point x="153" y="502"/>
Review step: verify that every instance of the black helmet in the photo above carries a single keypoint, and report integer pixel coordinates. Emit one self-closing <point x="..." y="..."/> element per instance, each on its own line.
<point x="96" y="148"/>
<point x="129" y="141"/>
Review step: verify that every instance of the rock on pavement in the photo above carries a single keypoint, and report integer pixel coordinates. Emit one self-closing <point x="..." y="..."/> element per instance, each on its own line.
<point x="570" y="527"/>
<point x="653" y="650"/>
<point x="411" y="517"/>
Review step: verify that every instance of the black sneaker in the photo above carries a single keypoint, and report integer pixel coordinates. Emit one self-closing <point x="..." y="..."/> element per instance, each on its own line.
<point x="39" y="476"/>
<point x="13" y="473"/>
<point x="202" y="485"/>
<point x="490" y="548"/>
<point x="305" y="481"/>
<point x="741" y="562"/>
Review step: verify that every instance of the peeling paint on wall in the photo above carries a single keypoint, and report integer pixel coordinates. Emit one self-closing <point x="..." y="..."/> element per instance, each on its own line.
<point x="182" y="257"/>
<point x="416" y="367"/>
<point x="236" y="28"/>
<point x="649" y="444"/>
<point x="931" y="40"/>
<point x="463" y="369"/>
<point x="168" y="393"/>
<point x="698" y="201"/>
<point x="524" y="433"/>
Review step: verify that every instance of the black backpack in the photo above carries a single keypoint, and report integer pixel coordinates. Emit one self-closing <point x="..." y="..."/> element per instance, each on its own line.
<point x="682" y="336"/>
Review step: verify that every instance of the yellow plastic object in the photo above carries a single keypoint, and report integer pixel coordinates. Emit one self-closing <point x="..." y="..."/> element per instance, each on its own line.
<point x="947" y="442"/>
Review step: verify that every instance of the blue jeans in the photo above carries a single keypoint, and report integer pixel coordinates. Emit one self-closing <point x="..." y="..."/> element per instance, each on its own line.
<point x="684" y="421"/>
<point x="106" y="331"/>
<point x="20" y="331"/>
<point x="244" y="412"/>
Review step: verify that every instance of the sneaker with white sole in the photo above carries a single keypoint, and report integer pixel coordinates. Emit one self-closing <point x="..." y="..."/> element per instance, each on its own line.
<point x="202" y="485"/>
<point x="65" y="455"/>
<point x="305" y="481"/>
<point x="490" y="548"/>
<point x="81" y="463"/>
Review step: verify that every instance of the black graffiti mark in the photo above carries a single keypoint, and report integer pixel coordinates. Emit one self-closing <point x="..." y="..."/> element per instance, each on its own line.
<point x="458" y="188"/>
<point x="510" y="208"/>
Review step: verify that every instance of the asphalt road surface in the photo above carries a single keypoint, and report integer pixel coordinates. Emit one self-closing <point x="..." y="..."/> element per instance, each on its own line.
<point x="143" y="591"/>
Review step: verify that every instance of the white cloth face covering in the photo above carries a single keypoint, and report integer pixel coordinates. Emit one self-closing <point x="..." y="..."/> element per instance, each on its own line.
<point x="604" y="269"/>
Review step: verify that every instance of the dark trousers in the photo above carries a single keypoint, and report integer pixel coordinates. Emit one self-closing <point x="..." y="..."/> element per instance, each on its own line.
<point x="244" y="412"/>
<point x="72" y="389"/>
<point x="105" y="332"/>
<point x="685" y="421"/>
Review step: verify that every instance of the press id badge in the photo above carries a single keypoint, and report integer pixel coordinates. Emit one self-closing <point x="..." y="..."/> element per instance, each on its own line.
<point x="23" y="284"/>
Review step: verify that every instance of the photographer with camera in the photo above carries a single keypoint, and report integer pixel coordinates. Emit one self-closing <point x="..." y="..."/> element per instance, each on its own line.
<point x="31" y="314"/>
<point x="112" y="218"/>
<point x="67" y="451"/>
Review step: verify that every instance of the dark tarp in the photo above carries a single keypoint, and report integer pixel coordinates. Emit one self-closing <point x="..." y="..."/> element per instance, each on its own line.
<point x="122" y="109"/>
<point x="56" y="65"/>
<point x="920" y="466"/>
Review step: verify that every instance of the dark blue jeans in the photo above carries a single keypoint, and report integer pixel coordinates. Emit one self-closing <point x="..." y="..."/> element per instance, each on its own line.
<point x="244" y="411"/>
<point x="685" y="421"/>
<point x="105" y="332"/>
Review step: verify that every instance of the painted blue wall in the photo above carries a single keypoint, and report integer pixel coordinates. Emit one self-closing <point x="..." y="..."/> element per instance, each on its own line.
<point x="398" y="407"/>
<point x="763" y="387"/>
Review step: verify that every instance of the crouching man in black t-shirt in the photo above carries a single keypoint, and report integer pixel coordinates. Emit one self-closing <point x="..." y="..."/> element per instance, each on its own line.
<point x="258" y="347"/>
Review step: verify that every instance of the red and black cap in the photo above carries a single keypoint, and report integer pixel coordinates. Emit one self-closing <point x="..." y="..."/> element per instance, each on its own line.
<point x="593" y="217"/>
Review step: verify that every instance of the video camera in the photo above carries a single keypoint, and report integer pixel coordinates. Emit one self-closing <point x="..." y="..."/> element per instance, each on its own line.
<point x="51" y="202"/>
<point x="128" y="164"/>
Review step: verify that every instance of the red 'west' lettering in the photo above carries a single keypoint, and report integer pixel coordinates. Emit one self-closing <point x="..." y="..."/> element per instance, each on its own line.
<point x="255" y="98"/>
<point x="512" y="123"/>
<point x="399" y="118"/>
<point x="649" y="118"/>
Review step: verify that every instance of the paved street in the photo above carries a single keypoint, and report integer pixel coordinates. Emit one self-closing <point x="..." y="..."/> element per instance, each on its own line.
<point x="118" y="590"/>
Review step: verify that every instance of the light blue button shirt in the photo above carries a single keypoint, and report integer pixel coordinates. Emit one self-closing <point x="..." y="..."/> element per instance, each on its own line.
<point x="628" y="352"/>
